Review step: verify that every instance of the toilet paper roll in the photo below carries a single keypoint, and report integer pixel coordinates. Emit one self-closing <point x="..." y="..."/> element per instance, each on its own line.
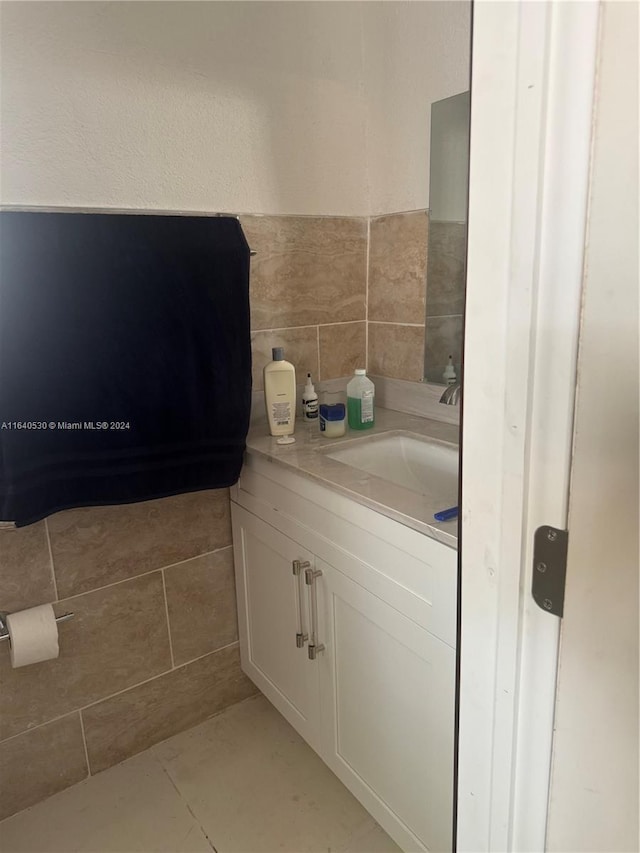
<point x="33" y="635"/>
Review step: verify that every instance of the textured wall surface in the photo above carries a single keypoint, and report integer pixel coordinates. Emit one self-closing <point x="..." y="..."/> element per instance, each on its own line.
<point x="151" y="650"/>
<point x="253" y="107"/>
<point x="257" y="107"/>
<point x="415" y="53"/>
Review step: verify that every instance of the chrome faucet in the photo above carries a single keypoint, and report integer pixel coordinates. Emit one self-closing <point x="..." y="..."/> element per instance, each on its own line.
<point x="451" y="395"/>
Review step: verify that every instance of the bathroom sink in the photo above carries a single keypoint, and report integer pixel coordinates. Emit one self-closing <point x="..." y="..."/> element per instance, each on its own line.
<point x="418" y="464"/>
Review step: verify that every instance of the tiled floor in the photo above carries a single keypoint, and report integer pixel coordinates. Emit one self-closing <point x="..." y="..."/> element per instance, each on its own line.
<point x="242" y="782"/>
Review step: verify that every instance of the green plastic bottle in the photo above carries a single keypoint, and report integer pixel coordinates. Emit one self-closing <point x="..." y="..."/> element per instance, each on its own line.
<point x="361" y="401"/>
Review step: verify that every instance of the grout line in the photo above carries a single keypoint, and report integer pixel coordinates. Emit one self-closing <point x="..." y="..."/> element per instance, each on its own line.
<point x="166" y="611"/>
<point x="366" y="296"/>
<point x="159" y="675"/>
<point x="440" y="316"/>
<point x="119" y="692"/>
<point x="206" y="654"/>
<point x="344" y="322"/>
<point x="307" y="326"/>
<point x="144" y="574"/>
<point x="196" y="557"/>
<point x="109" y="585"/>
<point x="390" y="323"/>
<point x="186" y="802"/>
<point x="84" y="741"/>
<point x="53" y="571"/>
<point x="318" y="346"/>
<point x="283" y="329"/>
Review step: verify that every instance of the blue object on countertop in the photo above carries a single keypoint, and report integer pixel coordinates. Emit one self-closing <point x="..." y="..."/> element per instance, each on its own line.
<point x="446" y="514"/>
<point x="332" y="411"/>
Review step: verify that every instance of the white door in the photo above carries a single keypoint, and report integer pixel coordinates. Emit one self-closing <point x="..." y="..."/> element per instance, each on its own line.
<point x="594" y="784"/>
<point x="272" y="612"/>
<point x="388" y="708"/>
<point x="533" y="83"/>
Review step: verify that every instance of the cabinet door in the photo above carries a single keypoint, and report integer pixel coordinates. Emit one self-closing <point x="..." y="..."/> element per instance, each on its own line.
<point x="388" y="712"/>
<point x="272" y="611"/>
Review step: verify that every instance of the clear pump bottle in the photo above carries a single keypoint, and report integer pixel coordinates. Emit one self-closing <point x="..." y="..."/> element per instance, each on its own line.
<point x="361" y="401"/>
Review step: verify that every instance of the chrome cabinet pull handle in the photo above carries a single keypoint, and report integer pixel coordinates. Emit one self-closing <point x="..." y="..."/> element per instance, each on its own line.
<point x="310" y="576"/>
<point x="301" y="634"/>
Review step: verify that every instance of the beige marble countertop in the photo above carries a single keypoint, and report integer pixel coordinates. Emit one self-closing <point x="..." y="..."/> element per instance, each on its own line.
<point x="306" y="457"/>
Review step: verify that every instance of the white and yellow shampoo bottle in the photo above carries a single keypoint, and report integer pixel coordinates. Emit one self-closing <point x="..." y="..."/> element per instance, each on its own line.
<point x="280" y="396"/>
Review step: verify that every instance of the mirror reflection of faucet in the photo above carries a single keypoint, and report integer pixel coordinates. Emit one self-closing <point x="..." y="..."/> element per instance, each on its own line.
<point x="451" y="395"/>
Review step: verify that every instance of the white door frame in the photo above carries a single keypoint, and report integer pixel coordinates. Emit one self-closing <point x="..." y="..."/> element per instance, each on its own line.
<point x="533" y="79"/>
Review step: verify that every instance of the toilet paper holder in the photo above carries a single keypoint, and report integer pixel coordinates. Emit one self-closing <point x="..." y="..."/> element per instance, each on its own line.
<point x="4" y="631"/>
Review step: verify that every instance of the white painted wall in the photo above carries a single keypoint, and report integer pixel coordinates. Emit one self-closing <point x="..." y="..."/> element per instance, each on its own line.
<point x="252" y="107"/>
<point x="415" y="53"/>
<point x="268" y="107"/>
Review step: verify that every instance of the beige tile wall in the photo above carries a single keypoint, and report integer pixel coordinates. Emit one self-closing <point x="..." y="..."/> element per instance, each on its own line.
<point x="416" y="271"/>
<point x="152" y="648"/>
<point x="338" y="293"/>
<point x="308" y="293"/>
<point x="397" y="291"/>
<point x="445" y="302"/>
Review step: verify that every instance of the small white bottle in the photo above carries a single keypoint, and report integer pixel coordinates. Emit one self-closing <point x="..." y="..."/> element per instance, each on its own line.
<point x="309" y="401"/>
<point x="280" y="396"/>
<point x="449" y="375"/>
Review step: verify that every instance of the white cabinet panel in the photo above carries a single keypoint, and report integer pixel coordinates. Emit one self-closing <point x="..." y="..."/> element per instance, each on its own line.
<point x="388" y="691"/>
<point x="404" y="560"/>
<point x="377" y="703"/>
<point x="269" y="618"/>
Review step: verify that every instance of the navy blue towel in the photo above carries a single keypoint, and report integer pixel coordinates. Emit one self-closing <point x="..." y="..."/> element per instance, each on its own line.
<point x="125" y="358"/>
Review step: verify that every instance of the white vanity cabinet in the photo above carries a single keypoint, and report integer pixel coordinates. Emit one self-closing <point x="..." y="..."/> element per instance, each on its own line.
<point x="377" y="701"/>
<point x="273" y="620"/>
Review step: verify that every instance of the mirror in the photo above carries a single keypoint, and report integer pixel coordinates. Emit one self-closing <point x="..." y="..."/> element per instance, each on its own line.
<point x="447" y="246"/>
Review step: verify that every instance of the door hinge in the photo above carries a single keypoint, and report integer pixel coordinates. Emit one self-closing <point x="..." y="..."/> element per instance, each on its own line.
<point x="549" y="568"/>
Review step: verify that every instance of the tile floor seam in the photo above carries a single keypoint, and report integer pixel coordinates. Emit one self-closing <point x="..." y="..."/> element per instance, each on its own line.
<point x="152" y="749"/>
<point x="189" y="801"/>
<point x="186" y="802"/>
<point x="144" y="574"/>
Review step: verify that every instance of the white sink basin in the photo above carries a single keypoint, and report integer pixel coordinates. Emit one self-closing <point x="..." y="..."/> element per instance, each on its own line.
<point x="423" y="466"/>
